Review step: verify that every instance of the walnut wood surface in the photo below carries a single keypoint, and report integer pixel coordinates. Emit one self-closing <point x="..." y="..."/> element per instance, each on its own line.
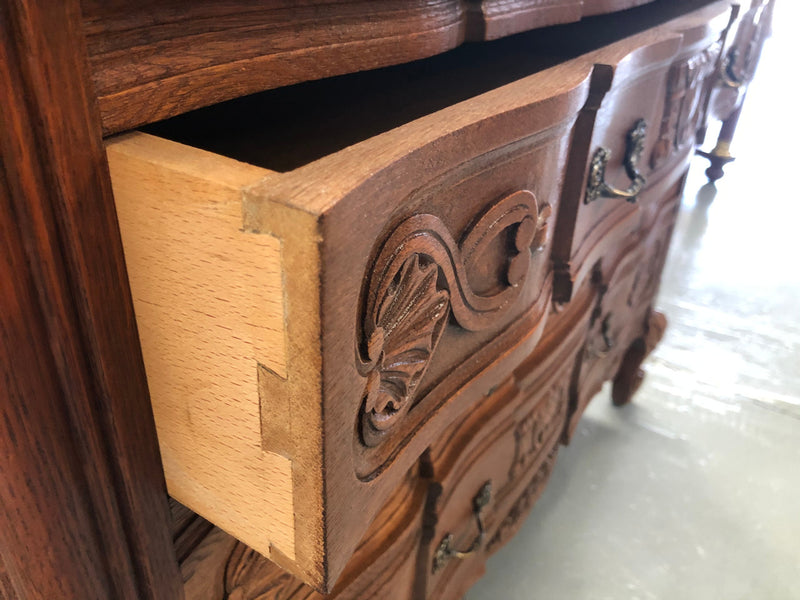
<point x="156" y="59"/>
<point x="82" y="507"/>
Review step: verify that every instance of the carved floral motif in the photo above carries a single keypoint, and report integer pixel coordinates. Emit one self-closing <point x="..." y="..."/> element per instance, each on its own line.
<point x="420" y="277"/>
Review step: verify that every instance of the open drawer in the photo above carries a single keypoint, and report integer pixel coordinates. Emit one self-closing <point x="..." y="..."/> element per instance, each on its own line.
<point x="327" y="276"/>
<point x="308" y="333"/>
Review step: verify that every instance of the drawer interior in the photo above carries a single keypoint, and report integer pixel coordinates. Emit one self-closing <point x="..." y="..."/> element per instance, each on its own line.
<point x="289" y="127"/>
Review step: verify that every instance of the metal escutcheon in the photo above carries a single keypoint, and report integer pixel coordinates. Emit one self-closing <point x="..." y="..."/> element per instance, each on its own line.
<point x="446" y="549"/>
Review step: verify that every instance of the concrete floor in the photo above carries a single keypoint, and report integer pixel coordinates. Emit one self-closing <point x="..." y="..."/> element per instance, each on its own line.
<point x="693" y="491"/>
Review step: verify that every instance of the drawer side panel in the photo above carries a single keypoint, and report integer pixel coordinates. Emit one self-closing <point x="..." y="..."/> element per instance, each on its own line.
<point x="209" y="304"/>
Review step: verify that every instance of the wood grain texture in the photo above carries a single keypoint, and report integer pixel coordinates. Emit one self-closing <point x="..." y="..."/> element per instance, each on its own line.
<point x="492" y="19"/>
<point x="181" y="55"/>
<point x="226" y="322"/>
<point x="298" y="370"/>
<point x="275" y="292"/>
<point x="159" y="59"/>
<point x="217" y="566"/>
<point x="599" y="7"/>
<point x="84" y="511"/>
<point x="181" y="215"/>
<point x="6" y="589"/>
<point x="412" y="316"/>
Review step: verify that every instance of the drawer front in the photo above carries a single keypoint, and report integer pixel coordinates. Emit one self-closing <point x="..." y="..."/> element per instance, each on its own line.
<point x="647" y="104"/>
<point x="489" y="470"/>
<point x="607" y="167"/>
<point x="625" y="299"/>
<point x="611" y="325"/>
<point x="308" y="334"/>
<point x="442" y="295"/>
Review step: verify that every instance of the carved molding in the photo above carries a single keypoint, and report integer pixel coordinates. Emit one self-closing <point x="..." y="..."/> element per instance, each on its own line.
<point x="420" y="277"/>
<point x="684" y="103"/>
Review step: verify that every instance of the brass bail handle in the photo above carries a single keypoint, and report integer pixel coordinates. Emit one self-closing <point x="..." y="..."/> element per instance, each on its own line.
<point x="446" y="550"/>
<point x="728" y="75"/>
<point x="634" y="148"/>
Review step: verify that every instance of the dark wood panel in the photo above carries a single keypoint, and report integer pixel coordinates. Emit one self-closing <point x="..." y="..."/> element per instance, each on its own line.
<point x="155" y="59"/>
<point x="84" y="512"/>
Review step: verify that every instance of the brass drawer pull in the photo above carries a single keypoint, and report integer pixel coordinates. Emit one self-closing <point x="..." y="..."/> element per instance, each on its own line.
<point x="446" y="551"/>
<point x="597" y="186"/>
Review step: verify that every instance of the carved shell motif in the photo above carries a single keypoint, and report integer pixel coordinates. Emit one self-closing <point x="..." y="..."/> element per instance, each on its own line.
<point x="410" y="320"/>
<point x="420" y="277"/>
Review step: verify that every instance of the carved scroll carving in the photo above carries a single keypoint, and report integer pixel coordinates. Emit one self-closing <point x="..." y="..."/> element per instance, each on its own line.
<point x="420" y="277"/>
<point x="683" y="108"/>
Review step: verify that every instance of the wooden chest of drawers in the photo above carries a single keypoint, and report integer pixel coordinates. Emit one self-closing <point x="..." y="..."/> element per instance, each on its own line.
<point x="308" y="334"/>
<point x="371" y="307"/>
